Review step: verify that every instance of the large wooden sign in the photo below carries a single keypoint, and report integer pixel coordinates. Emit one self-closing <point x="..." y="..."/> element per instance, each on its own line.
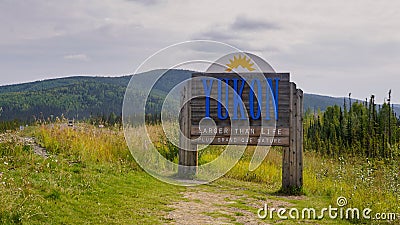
<point x="262" y="119"/>
<point x="263" y="109"/>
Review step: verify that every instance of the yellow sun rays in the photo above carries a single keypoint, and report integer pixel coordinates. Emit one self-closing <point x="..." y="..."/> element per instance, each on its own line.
<point x="240" y="61"/>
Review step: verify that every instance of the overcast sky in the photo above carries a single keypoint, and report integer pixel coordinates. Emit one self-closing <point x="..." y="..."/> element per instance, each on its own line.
<point x="329" y="47"/>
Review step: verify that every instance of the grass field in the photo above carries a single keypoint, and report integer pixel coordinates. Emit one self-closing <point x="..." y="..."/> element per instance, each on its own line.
<point x="90" y="177"/>
<point x="64" y="189"/>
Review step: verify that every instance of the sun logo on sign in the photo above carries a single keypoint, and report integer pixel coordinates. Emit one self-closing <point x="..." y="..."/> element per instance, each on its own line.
<point x="241" y="61"/>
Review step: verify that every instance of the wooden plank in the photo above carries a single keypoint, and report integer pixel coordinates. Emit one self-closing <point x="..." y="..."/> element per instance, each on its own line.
<point x="197" y="116"/>
<point x="198" y="85"/>
<point x="200" y="107"/>
<point x="282" y="76"/>
<point x="255" y="124"/>
<point x="240" y="140"/>
<point x="187" y="159"/>
<point x="282" y="102"/>
<point x="279" y="123"/>
<point x="299" y="136"/>
<point x="293" y="139"/>
<point x="201" y="113"/>
<point x="253" y="131"/>
<point x="288" y="158"/>
<point x="199" y="91"/>
<point x="201" y="100"/>
<point x="282" y="99"/>
<point x="183" y="116"/>
<point x="285" y="167"/>
<point x="225" y="124"/>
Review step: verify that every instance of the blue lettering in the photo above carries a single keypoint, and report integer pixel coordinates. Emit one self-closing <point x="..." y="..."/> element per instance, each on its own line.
<point x="237" y="99"/>
<point x="207" y="92"/>
<point x="259" y="99"/>
<point x="220" y="116"/>
<point x="270" y="91"/>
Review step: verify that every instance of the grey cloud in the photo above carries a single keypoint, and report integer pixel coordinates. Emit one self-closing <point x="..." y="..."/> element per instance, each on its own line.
<point x="234" y="38"/>
<point x="340" y="65"/>
<point x="340" y="53"/>
<point x="236" y="33"/>
<point x="245" y="23"/>
<point x="311" y="41"/>
<point x="213" y="34"/>
<point x="146" y="2"/>
<point x="78" y="57"/>
<point x="116" y="49"/>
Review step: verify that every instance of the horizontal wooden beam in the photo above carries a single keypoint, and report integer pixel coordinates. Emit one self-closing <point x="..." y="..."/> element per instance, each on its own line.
<point x="240" y="140"/>
<point x="252" y="131"/>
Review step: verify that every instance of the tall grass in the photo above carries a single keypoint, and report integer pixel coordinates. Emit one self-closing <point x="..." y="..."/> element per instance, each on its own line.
<point x="72" y="186"/>
<point x="364" y="182"/>
<point x="85" y="142"/>
<point x="268" y="172"/>
<point x="11" y="146"/>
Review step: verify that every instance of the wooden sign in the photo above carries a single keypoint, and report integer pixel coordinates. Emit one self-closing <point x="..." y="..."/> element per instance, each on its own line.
<point x="269" y="107"/>
<point x="263" y="109"/>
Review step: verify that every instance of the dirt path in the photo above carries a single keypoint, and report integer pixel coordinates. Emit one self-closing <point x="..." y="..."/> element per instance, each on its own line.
<point x="37" y="149"/>
<point x="220" y="205"/>
<point x="210" y="208"/>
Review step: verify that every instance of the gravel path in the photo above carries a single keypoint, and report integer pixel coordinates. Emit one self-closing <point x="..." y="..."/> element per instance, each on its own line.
<point x="37" y="149"/>
<point x="210" y="208"/>
<point x="213" y="205"/>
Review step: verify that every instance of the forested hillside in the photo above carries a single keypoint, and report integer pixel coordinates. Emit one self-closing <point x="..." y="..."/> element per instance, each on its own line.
<point x="79" y="97"/>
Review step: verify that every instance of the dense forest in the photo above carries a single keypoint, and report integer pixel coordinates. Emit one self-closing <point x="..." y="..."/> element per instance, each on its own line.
<point x="75" y="97"/>
<point x="357" y="129"/>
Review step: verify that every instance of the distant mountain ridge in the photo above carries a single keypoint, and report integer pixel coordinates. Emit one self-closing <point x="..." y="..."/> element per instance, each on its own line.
<point x="81" y="97"/>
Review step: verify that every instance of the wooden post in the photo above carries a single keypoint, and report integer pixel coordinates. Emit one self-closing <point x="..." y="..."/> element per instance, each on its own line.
<point x="187" y="159"/>
<point x="292" y="136"/>
<point x="292" y="161"/>
<point x="299" y="134"/>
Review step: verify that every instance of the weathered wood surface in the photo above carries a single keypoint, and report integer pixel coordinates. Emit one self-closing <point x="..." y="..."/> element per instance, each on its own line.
<point x="299" y="138"/>
<point x="198" y="109"/>
<point x="188" y="151"/>
<point x="289" y="125"/>
<point x="240" y="140"/>
<point x="252" y="131"/>
<point x="292" y="161"/>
